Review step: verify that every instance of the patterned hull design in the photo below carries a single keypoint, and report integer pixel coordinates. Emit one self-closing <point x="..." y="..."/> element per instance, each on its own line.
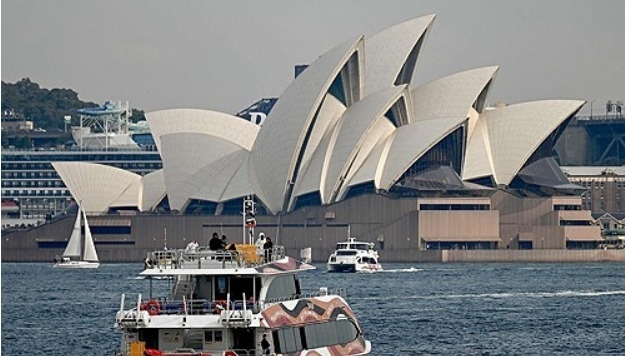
<point x="286" y="264"/>
<point x="312" y="311"/>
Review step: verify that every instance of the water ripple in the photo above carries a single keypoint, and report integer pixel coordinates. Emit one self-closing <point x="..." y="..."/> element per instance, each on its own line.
<point x="437" y="309"/>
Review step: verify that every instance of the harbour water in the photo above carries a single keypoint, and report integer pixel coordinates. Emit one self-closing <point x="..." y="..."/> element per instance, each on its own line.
<point x="409" y="309"/>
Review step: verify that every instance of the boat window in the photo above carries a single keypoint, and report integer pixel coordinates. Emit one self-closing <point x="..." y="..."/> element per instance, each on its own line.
<point x="291" y="339"/>
<point x="346" y="253"/>
<point x="345" y="331"/>
<point x="240" y="286"/>
<point x="278" y="341"/>
<point x="361" y="246"/>
<point x="150" y="337"/>
<point x="311" y="332"/>
<point x="282" y="287"/>
<point x="203" y="288"/>
<point x="219" y="336"/>
<point x="341" y="246"/>
<point x="193" y="339"/>
<point x="335" y="332"/>
<point x="221" y="288"/>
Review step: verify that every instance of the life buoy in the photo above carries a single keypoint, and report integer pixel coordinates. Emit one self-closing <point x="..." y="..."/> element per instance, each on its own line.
<point x="153" y="307"/>
<point x="219" y="306"/>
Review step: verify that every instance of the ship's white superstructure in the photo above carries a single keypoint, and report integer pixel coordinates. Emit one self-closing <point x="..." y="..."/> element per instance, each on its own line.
<point x="354" y="256"/>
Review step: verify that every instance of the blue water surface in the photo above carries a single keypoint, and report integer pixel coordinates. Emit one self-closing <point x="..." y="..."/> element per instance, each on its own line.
<point x="408" y="309"/>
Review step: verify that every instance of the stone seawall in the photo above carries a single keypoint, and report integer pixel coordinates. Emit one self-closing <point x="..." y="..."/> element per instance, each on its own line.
<point x="467" y="256"/>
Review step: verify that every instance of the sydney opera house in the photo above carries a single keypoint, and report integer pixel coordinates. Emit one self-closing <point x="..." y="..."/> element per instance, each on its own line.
<point x="352" y="146"/>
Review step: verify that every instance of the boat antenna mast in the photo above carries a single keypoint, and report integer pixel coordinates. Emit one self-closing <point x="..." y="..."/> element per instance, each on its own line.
<point x="249" y="218"/>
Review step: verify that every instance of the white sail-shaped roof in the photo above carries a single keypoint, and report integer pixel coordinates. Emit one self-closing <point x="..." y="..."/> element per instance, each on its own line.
<point x="152" y="190"/>
<point x="409" y="143"/>
<point x="453" y="95"/>
<point x="351" y="118"/>
<point x="514" y="134"/>
<point x="195" y="139"/>
<point x="187" y="158"/>
<point x="129" y="197"/>
<point x="228" y="127"/>
<point x="478" y="160"/>
<point x="221" y="174"/>
<point x="95" y="186"/>
<point x="240" y="185"/>
<point x="277" y="154"/>
<point x="391" y="55"/>
<point x="312" y="177"/>
<point x="360" y="123"/>
<point x="371" y="168"/>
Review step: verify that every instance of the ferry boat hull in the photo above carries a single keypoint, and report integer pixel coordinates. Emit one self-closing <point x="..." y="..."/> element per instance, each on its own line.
<point x="353" y="267"/>
<point x="342" y="267"/>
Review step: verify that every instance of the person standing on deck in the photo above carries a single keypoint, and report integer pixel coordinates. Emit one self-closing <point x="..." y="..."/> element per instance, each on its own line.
<point x="265" y="345"/>
<point x="260" y="245"/>
<point x="268" y="248"/>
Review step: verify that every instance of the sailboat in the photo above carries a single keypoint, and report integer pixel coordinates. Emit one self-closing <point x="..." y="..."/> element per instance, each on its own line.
<point x="306" y="255"/>
<point x="74" y="255"/>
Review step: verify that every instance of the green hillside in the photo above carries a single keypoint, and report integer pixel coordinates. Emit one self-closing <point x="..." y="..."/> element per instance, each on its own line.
<point x="46" y="107"/>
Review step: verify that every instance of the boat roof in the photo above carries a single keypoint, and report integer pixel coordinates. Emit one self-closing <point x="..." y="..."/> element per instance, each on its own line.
<point x="285" y="265"/>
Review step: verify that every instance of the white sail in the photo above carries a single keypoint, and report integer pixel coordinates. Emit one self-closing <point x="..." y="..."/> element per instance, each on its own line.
<point x="74" y="246"/>
<point x="90" y="253"/>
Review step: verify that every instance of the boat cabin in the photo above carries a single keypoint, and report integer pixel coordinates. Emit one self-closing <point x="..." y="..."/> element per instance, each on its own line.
<point x="351" y="244"/>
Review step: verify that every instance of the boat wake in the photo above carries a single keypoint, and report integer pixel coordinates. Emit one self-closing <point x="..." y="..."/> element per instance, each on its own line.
<point x="529" y="295"/>
<point x="401" y="270"/>
<point x="504" y="295"/>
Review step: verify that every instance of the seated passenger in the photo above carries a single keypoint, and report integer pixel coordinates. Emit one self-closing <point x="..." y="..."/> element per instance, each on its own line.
<point x="214" y="243"/>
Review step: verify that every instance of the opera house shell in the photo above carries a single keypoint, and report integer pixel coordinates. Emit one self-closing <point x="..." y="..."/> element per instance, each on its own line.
<point x="353" y="146"/>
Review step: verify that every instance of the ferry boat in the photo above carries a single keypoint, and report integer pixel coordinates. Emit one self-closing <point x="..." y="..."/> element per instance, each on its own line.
<point x="235" y="302"/>
<point x="354" y="256"/>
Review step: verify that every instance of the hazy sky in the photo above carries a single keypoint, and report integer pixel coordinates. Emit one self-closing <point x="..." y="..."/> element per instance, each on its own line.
<point x="224" y="55"/>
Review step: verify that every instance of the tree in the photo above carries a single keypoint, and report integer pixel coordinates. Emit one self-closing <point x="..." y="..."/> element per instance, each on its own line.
<point x="46" y="108"/>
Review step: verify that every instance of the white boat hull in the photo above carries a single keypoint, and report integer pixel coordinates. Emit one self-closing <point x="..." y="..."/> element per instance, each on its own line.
<point x="353" y="267"/>
<point x="77" y="265"/>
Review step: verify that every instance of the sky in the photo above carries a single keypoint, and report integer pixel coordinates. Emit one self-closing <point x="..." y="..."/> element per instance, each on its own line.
<point x="224" y="55"/>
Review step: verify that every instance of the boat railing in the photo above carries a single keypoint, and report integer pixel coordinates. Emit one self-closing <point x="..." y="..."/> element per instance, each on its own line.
<point x="166" y="306"/>
<point x="244" y="256"/>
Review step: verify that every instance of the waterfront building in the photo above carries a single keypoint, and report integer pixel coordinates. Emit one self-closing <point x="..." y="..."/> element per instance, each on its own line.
<point x="604" y="188"/>
<point x="352" y="144"/>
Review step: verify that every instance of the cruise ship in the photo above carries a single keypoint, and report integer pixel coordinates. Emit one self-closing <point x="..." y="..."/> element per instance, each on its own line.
<point x="33" y="192"/>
